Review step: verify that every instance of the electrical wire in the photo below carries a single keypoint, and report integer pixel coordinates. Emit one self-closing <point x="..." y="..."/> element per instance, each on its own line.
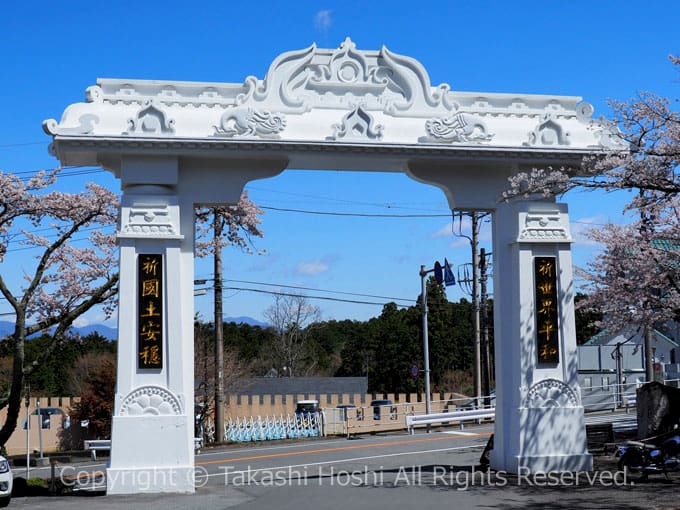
<point x="356" y="215"/>
<point x="324" y="298"/>
<point x="248" y="282"/>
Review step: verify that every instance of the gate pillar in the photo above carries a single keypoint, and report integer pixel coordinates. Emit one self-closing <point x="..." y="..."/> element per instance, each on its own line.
<point x="539" y="416"/>
<point x="153" y="422"/>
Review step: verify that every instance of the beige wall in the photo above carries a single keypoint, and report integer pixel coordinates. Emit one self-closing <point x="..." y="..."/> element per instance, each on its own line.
<point x="270" y="405"/>
<point x="16" y="444"/>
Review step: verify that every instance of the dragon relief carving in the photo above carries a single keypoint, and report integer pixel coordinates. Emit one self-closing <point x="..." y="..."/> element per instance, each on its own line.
<point x="357" y="125"/>
<point x="250" y="122"/>
<point x="150" y="120"/>
<point x="461" y="127"/>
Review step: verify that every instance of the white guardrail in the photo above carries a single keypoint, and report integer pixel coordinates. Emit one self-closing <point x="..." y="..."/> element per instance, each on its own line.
<point x="453" y="416"/>
<point x="104" y="445"/>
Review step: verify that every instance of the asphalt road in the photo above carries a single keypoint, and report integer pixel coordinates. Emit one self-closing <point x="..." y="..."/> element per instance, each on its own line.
<point x="437" y="470"/>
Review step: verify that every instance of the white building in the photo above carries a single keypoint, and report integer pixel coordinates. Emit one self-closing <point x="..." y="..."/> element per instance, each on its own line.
<point x="600" y="374"/>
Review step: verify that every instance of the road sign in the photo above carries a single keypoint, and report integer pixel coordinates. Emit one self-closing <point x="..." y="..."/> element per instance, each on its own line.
<point x="438" y="273"/>
<point x="449" y="279"/>
<point x="414" y="371"/>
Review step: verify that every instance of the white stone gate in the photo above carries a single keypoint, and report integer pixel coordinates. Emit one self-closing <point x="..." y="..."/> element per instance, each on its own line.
<point x="176" y="145"/>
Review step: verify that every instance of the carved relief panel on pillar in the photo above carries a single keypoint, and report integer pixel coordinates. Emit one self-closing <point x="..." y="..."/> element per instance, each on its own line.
<point x="149" y="217"/>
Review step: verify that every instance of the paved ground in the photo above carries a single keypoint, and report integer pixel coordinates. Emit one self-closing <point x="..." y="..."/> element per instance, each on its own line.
<point x="375" y="472"/>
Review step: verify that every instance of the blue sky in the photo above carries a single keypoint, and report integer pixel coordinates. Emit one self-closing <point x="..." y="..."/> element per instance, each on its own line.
<point x="52" y="51"/>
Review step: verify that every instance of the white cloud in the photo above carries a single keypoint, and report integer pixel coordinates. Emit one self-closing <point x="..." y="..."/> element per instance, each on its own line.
<point x="311" y="268"/>
<point x="81" y="322"/>
<point x="580" y="227"/>
<point x="446" y="230"/>
<point x="323" y="20"/>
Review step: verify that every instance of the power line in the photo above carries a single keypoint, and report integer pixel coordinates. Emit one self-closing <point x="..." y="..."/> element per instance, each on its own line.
<point x="356" y="215"/>
<point x="325" y="298"/>
<point x="332" y="199"/>
<point x="318" y="290"/>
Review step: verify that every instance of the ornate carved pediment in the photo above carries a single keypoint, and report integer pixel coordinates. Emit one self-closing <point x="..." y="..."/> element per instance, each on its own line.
<point x="298" y="81"/>
<point x="305" y="97"/>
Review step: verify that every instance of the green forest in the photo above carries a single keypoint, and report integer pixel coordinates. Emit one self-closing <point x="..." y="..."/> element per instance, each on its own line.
<point x="383" y="348"/>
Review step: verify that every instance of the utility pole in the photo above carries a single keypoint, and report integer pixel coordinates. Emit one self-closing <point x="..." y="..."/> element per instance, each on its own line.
<point x="219" y="331"/>
<point x="484" y="305"/>
<point x="649" y="353"/>
<point x="475" y="307"/>
<point x="426" y="348"/>
<point x="473" y="290"/>
<point x="28" y="431"/>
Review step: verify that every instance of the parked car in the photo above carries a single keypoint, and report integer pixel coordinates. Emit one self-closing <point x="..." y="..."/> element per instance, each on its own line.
<point x="5" y="482"/>
<point x="305" y="407"/>
<point x="382" y="406"/>
<point x="489" y="401"/>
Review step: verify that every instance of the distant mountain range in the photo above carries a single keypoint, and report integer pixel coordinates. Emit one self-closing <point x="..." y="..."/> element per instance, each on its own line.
<point x="7" y="327"/>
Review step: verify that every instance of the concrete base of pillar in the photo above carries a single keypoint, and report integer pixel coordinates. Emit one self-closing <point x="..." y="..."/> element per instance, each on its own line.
<point x="547" y="439"/>
<point x="150" y="479"/>
<point x="151" y="454"/>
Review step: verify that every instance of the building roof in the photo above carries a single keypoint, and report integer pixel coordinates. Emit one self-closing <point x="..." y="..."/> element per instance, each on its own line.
<point x="605" y="337"/>
<point x="299" y="386"/>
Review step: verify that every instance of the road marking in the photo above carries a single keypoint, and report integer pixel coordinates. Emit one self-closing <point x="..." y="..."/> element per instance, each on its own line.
<point x="459" y="433"/>
<point x="336" y="449"/>
<point x="250" y="471"/>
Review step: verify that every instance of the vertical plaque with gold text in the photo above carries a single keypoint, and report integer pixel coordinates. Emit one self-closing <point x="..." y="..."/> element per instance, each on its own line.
<point x="547" y="327"/>
<point x="150" y="313"/>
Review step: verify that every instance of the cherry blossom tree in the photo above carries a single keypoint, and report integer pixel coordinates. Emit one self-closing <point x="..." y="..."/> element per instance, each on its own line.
<point x="636" y="277"/>
<point x="234" y="225"/>
<point x="67" y="277"/>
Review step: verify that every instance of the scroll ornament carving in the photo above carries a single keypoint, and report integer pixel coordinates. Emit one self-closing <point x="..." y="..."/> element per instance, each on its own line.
<point x="150" y="120"/>
<point x="544" y="226"/>
<point x="86" y="124"/>
<point x="584" y="111"/>
<point x="461" y="127"/>
<point x="94" y="94"/>
<point x="357" y="125"/>
<point x="150" y="400"/>
<point x="548" y="133"/>
<point x="250" y="122"/>
<point x="551" y="393"/>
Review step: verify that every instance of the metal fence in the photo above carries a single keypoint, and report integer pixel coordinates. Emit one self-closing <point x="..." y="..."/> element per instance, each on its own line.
<point x="273" y="427"/>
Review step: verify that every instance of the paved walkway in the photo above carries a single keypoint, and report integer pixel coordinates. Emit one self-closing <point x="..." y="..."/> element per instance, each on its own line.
<point x="427" y="488"/>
